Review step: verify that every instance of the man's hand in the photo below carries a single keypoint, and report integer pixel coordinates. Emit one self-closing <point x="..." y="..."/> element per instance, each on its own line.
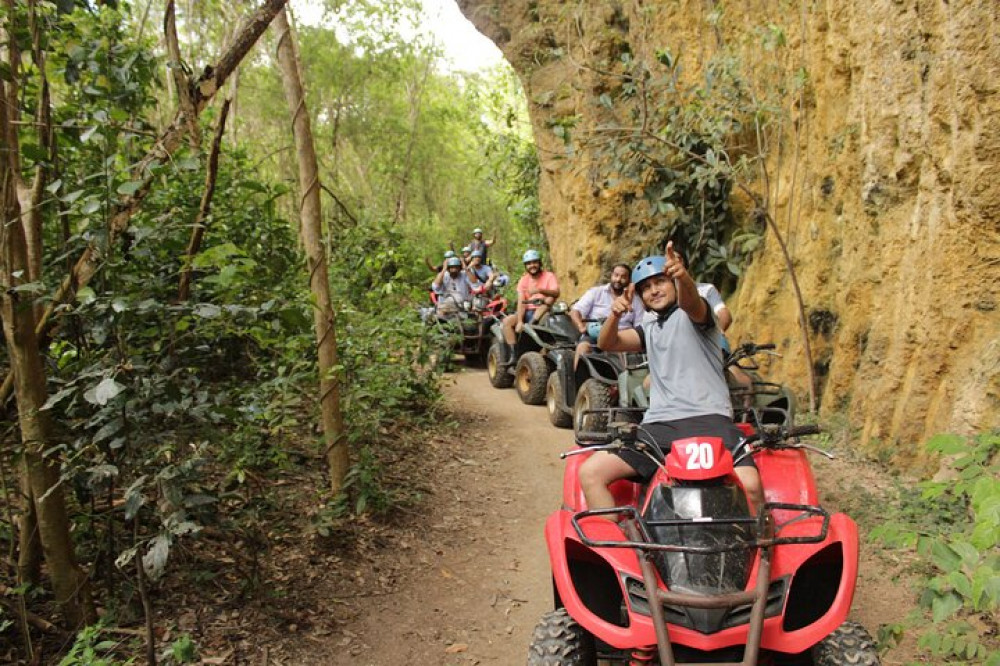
<point x="623" y="303"/>
<point x="675" y="267"/>
<point x="519" y="326"/>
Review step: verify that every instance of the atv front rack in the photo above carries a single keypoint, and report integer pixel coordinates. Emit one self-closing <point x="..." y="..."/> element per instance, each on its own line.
<point x="645" y="541"/>
<point x="637" y="531"/>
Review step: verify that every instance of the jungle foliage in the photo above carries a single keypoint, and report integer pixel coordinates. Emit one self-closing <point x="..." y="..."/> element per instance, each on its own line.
<point x="952" y="526"/>
<point x="168" y="414"/>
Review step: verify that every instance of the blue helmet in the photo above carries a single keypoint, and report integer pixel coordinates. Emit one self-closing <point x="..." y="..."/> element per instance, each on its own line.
<point x="466" y="249"/>
<point x="449" y="254"/>
<point x="531" y="255"/>
<point x="453" y="261"/>
<point x="647" y="268"/>
<point x="476" y="253"/>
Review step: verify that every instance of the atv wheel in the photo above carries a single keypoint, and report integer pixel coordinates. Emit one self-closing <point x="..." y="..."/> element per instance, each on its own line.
<point x="530" y="377"/>
<point x="495" y="368"/>
<point x="553" y="391"/>
<point x="559" y="641"/>
<point x="592" y="395"/>
<point x="850" y="643"/>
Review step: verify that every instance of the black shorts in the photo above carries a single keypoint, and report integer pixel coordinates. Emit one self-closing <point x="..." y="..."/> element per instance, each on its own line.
<point x="664" y="433"/>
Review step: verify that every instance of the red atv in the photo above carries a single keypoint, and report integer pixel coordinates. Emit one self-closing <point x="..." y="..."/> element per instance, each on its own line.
<point x="687" y="575"/>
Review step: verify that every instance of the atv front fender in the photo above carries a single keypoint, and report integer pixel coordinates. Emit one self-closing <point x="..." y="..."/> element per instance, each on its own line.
<point x="589" y="584"/>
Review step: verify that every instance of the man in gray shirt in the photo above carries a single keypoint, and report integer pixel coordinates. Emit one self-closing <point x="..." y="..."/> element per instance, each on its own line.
<point x="689" y="395"/>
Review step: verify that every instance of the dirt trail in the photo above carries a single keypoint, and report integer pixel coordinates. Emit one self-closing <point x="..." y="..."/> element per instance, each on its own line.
<point x="476" y="598"/>
<point x="472" y="587"/>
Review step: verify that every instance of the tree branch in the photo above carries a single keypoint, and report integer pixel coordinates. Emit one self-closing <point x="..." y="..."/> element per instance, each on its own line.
<point x="186" y="109"/>
<point x="200" y="224"/>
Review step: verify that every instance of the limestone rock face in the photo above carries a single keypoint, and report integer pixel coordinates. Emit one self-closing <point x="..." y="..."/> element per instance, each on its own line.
<point x="884" y="181"/>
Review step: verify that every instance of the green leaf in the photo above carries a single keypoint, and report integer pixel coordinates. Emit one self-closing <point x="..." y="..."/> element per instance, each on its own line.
<point x="947" y="444"/>
<point x="966" y="551"/>
<point x="129" y="188"/>
<point x="134" y="499"/>
<point x="72" y="196"/>
<point x="105" y="391"/>
<point x="56" y="398"/>
<point x="155" y="559"/>
<point x="207" y="310"/>
<point x="943" y="556"/>
<point x="125" y="557"/>
<point x="945" y="606"/>
<point x="86" y="295"/>
<point x="110" y="429"/>
<point x="961" y="583"/>
<point x="34" y="152"/>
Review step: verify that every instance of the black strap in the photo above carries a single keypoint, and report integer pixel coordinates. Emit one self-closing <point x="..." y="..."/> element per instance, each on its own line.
<point x="662" y="317"/>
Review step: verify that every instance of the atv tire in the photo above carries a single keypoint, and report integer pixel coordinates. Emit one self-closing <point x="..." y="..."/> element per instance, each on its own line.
<point x="530" y="377"/>
<point x="850" y="644"/>
<point x="559" y="641"/>
<point x="592" y="395"/>
<point x="496" y="369"/>
<point x="553" y="392"/>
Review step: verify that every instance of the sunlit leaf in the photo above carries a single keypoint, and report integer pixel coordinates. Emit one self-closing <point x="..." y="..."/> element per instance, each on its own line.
<point x="106" y="390"/>
<point x="129" y="188"/>
<point x="155" y="559"/>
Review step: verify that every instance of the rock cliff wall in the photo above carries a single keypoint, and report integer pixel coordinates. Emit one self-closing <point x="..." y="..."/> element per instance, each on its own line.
<point x="882" y="177"/>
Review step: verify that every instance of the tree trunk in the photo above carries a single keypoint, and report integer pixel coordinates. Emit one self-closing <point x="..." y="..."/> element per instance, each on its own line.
<point x="311" y="225"/>
<point x="415" y="93"/>
<point x="68" y="582"/>
<point x="29" y="548"/>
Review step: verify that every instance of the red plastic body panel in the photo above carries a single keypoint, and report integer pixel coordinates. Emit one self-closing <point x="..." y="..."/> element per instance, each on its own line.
<point x="698" y="459"/>
<point x="497" y="306"/>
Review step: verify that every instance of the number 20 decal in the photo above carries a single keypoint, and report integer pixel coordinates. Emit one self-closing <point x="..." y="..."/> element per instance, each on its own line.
<point x="700" y="455"/>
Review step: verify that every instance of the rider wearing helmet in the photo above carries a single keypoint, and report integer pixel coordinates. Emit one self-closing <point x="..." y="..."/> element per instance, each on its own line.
<point x="536" y="291"/>
<point x="437" y="269"/>
<point x="689" y="396"/>
<point x="478" y="243"/>
<point x="453" y="286"/>
<point x="466" y="255"/>
<point x="482" y="271"/>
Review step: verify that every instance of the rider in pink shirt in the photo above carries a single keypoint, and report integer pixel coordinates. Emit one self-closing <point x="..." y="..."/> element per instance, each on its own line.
<point x="536" y="291"/>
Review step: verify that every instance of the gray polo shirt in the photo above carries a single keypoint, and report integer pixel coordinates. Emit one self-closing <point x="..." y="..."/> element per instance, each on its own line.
<point x="685" y="366"/>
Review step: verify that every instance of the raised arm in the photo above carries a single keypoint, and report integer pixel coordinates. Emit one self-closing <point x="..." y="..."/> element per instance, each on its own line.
<point x="611" y="339"/>
<point x="439" y="280"/>
<point x="688" y="298"/>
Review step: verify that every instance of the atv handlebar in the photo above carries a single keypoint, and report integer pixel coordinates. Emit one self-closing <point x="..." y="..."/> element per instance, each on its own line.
<point x="772" y="433"/>
<point x="747" y="351"/>
<point x="776" y="437"/>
